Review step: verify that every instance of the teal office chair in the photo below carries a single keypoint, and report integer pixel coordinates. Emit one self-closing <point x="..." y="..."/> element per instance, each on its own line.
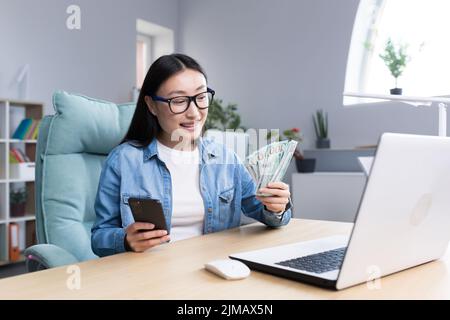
<point x="72" y="146"/>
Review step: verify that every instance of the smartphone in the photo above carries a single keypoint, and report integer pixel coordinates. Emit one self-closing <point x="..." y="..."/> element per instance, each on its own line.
<point x="148" y="210"/>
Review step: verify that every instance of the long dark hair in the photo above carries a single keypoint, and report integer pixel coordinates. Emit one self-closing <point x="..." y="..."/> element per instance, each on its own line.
<point x="144" y="126"/>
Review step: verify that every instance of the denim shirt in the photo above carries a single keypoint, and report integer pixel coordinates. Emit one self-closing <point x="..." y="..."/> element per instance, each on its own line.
<point x="132" y="171"/>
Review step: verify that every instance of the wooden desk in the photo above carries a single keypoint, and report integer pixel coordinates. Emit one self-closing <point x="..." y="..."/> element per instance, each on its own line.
<point x="175" y="271"/>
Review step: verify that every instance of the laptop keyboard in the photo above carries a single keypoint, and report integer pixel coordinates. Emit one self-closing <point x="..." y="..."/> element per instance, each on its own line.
<point x="318" y="262"/>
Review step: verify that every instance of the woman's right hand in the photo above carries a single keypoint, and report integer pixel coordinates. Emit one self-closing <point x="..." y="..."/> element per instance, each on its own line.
<point x="141" y="236"/>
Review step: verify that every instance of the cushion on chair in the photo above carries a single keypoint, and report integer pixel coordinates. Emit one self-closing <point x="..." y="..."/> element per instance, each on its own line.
<point x="86" y="125"/>
<point x="80" y="135"/>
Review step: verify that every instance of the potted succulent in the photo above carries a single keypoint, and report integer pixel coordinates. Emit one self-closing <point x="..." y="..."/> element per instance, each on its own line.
<point x="18" y="199"/>
<point x="321" y="127"/>
<point x="395" y="58"/>
<point x="303" y="164"/>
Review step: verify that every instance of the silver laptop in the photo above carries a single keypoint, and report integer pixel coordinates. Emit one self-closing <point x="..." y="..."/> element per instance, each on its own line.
<point x="403" y="220"/>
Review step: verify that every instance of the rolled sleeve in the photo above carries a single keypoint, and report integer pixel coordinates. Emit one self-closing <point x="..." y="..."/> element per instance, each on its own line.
<point x="278" y="219"/>
<point x="119" y="240"/>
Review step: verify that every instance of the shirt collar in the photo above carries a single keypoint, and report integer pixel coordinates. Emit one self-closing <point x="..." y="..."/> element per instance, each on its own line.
<point x="208" y="150"/>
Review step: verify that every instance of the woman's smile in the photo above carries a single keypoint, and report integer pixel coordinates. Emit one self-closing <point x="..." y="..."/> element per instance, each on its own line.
<point x="189" y="125"/>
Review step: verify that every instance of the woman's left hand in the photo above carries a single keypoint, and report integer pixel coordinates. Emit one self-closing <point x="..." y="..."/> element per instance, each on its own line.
<point x="279" y="199"/>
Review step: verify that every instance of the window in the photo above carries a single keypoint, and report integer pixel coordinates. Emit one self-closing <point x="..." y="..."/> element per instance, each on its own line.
<point x="143" y="57"/>
<point x="152" y="41"/>
<point x="422" y="25"/>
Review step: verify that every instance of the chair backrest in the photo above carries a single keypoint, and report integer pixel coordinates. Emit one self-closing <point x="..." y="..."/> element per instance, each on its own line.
<point x="72" y="146"/>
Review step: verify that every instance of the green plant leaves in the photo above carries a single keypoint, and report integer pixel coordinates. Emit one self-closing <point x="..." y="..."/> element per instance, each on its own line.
<point x="395" y="58"/>
<point x="18" y="196"/>
<point x="320" y="121"/>
<point x="222" y="117"/>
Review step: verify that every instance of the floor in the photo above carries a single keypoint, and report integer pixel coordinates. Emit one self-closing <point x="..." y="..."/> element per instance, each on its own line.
<point x="12" y="270"/>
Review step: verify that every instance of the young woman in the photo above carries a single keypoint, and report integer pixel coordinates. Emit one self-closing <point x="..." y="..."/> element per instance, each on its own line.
<point x="202" y="186"/>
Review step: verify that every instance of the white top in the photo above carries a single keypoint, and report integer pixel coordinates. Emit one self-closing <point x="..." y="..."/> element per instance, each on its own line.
<point x="187" y="202"/>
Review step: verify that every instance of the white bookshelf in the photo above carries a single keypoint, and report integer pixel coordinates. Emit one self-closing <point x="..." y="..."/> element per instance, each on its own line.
<point x="11" y="113"/>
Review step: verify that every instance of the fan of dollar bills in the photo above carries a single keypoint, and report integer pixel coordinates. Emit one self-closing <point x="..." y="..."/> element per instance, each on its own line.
<point x="269" y="164"/>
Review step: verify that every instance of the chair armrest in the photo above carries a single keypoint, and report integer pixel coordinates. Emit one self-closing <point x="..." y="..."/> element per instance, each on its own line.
<point x="46" y="256"/>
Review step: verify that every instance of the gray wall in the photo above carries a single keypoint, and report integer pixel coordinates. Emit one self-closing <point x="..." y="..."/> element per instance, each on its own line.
<point x="99" y="60"/>
<point x="281" y="60"/>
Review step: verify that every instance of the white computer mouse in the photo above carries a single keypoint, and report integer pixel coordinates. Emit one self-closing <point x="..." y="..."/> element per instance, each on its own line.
<point x="228" y="269"/>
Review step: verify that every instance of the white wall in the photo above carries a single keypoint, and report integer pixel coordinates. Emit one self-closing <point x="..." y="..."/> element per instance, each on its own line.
<point x="99" y="60"/>
<point x="281" y="60"/>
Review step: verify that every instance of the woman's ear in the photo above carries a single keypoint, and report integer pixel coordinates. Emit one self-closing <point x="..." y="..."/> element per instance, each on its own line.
<point x="150" y="105"/>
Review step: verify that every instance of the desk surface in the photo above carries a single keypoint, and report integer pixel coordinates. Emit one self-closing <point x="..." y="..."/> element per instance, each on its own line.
<point x="175" y="271"/>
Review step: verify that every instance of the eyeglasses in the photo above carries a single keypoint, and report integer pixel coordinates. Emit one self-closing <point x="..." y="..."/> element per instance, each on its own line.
<point x="180" y="104"/>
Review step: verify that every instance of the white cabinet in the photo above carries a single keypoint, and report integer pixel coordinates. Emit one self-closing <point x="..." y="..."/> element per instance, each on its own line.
<point x="327" y="195"/>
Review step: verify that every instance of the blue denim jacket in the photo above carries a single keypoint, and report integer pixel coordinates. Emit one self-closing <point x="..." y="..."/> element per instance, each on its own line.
<point x="133" y="171"/>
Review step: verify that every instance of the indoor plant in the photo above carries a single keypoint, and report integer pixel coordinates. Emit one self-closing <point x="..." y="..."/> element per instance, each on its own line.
<point x="222" y="117"/>
<point x="395" y="58"/>
<point x="303" y="164"/>
<point x="18" y="199"/>
<point x="321" y="127"/>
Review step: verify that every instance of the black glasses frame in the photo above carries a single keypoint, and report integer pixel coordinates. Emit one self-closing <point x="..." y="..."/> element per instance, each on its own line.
<point x="190" y="99"/>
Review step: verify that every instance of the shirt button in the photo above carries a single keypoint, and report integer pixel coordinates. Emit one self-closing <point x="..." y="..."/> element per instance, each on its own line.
<point x="209" y="209"/>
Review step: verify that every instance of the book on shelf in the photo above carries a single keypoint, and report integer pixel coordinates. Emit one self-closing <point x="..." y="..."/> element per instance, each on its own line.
<point x="30" y="133"/>
<point x="23" y="155"/>
<point x="14" y="251"/>
<point x="12" y="157"/>
<point x="27" y="129"/>
<point x="18" y="156"/>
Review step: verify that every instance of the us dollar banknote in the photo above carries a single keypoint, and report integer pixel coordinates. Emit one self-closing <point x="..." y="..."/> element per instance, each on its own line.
<point x="269" y="164"/>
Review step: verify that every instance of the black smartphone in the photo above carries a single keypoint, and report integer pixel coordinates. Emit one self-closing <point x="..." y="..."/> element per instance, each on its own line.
<point x="148" y="210"/>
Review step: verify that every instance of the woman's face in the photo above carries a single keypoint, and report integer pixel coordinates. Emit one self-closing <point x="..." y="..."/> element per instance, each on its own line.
<point x="188" y="124"/>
